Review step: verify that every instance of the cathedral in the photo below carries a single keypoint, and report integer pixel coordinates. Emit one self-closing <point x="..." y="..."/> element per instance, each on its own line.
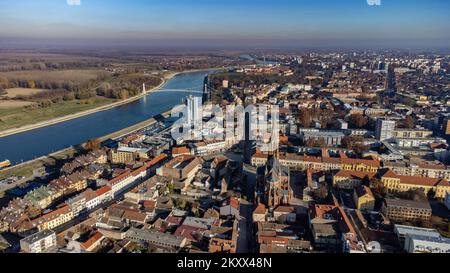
<point x="278" y="191"/>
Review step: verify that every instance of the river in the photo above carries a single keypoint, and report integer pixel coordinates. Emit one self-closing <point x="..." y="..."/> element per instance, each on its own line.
<point x="43" y="141"/>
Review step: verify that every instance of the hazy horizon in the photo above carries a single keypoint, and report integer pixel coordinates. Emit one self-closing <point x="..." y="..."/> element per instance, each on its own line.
<point x="415" y="24"/>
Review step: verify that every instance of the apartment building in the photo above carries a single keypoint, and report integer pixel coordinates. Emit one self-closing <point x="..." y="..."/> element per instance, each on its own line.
<point x="406" y="210"/>
<point x="53" y="219"/>
<point x="401" y="183"/>
<point x="41" y="242"/>
<point x="350" y="180"/>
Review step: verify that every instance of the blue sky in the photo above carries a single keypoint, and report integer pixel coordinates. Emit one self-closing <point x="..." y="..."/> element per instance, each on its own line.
<point x="422" y="23"/>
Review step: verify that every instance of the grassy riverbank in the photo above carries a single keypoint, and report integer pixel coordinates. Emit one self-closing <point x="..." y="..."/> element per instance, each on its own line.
<point x="17" y="117"/>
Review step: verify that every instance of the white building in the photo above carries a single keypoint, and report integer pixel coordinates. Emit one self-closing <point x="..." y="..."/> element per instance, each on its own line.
<point x="41" y="242"/>
<point x="103" y="195"/>
<point x="194" y="109"/>
<point x="384" y="129"/>
<point x="92" y="199"/>
<point x="343" y="125"/>
<point x="425" y="244"/>
<point x="209" y="147"/>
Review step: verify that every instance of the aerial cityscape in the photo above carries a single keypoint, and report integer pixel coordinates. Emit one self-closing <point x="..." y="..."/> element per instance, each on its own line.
<point x="239" y="127"/>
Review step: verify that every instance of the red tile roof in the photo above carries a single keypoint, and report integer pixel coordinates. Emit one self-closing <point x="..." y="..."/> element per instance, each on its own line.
<point x="355" y="174"/>
<point x="103" y="190"/>
<point x="52" y="215"/>
<point x="120" y="177"/>
<point x="188" y="232"/>
<point x="94" y="239"/>
<point x="260" y="209"/>
<point x="418" y="180"/>
<point x="285" y="209"/>
<point x="181" y="150"/>
<point x="234" y="203"/>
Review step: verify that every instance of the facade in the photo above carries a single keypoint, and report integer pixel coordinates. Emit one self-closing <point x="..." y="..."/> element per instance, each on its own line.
<point x="182" y="168"/>
<point x="125" y="155"/>
<point x="278" y="189"/>
<point x="40" y="197"/>
<point x="424" y="170"/>
<point x="384" y="129"/>
<point x="92" y="199"/>
<point x="425" y="244"/>
<point x="209" y="147"/>
<point x="259" y="214"/>
<point x="104" y="194"/>
<point x="350" y="180"/>
<point x="321" y="163"/>
<point x="446" y="127"/>
<point x="412" y="133"/>
<point x="77" y="204"/>
<point x="400" y="183"/>
<point x="403" y="231"/>
<point x="156" y="238"/>
<point x="285" y="214"/>
<point x="364" y="198"/>
<point x="329" y="138"/>
<point x="41" y="242"/>
<point x="129" y="178"/>
<point x="194" y="109"/>
<point x="406" y="210"/>
<point x="53" y="219"/>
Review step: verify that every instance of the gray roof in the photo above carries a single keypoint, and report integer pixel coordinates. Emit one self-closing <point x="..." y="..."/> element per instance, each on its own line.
<point x="155" y="237"/>
<point x="407" y="204"/>
<point x="441" y="241"/>
<point x="276" y="170"/>
<point x="198" y="222"/>
<point x="38" y="236"/>
<point x="408" y="230"/>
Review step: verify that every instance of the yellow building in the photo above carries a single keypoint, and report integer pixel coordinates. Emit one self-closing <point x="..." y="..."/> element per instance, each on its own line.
<point x="406" y="210"/>
<point x="125" y="155"/>
<point x="79" y="185"/>
<point x="350" y="179"/>
<point x="40" y="197"/>
<point x="364" y="199"/>
<point x="53" y="219"/>
<point x="370" y="164"/>
<point x="398" y="183"/>
<point x="360" y="168"/>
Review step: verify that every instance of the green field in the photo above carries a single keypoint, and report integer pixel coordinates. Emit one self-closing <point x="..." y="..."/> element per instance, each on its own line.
<point x="11" y="118"/>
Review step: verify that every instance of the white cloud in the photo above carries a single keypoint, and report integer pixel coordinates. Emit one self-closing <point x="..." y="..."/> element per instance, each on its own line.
<point x="374" y="2"/>
<point x="73" y="2"/>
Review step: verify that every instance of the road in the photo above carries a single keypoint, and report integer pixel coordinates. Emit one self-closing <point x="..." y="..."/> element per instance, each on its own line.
<point x="246" y="238"/>
<point x="245" y="228"/>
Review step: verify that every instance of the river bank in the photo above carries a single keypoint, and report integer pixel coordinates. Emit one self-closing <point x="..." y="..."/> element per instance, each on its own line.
<point x="26" y="169"/>
<point x="33" y="144"/>
<point x="84" y="113"/>
<point x="164" y="79"/>
<point x="157" y="104"/>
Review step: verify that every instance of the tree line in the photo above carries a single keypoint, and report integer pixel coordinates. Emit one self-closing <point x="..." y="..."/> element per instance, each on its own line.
<point x="115" y="87"/>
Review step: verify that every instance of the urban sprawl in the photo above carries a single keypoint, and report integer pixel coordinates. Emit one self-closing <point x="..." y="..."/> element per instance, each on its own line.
<point x="360" y="165"/>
